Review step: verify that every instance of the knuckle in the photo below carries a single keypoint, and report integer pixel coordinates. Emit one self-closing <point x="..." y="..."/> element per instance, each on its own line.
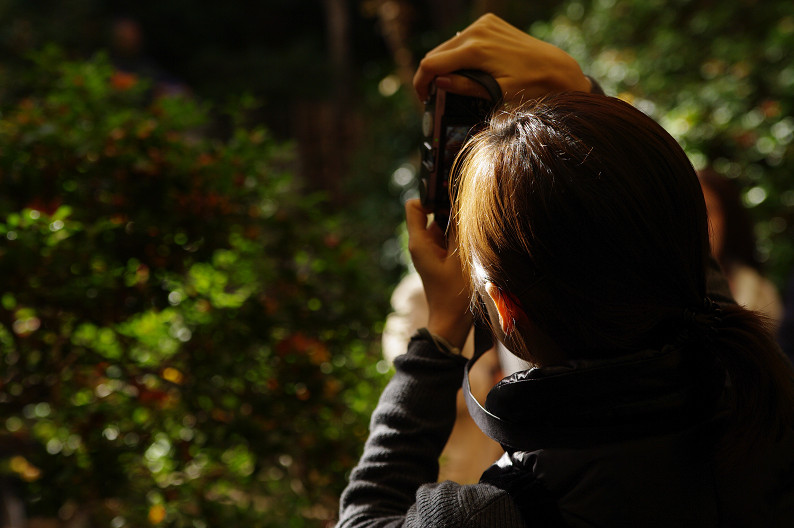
<point x="477" y="51"/>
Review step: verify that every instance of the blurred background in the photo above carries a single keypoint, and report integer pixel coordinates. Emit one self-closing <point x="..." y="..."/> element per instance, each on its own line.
<point x="200" y="226"/>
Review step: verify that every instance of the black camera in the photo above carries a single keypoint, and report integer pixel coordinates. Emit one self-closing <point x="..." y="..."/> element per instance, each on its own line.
<point x="448" y="121"/>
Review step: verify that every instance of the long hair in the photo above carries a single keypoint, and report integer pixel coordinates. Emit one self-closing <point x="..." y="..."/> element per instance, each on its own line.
<point x="590" y="217"/>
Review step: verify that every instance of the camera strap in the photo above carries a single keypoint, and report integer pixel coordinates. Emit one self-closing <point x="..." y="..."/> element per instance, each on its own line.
<point x="502" y="431"/>
<point x="486" y="81"/>
<point x="493" y="426"/>
<point x="518" y="436"/>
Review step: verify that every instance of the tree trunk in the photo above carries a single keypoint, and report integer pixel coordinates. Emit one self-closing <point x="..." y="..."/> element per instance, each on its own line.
<point x="396" y="18"/>
<point x="324" y="130"/>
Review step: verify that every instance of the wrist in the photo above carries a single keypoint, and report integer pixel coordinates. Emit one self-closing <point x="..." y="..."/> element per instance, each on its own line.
<point x="440" y="343"/>
<point x="453" y="332"/>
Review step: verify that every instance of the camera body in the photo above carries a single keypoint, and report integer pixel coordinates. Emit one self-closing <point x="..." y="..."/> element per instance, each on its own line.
<point x="448" y="121"/>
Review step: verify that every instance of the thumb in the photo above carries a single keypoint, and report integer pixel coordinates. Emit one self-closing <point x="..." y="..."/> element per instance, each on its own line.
<point x="423" y="240"/>
<point x="415" y="217"/>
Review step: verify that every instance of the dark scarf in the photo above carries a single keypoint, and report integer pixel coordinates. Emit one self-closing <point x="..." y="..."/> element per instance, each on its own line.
<point x="582" y="403"/>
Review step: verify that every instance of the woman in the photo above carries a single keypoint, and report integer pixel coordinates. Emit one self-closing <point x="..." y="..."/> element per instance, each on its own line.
<point x="581" y="226"/>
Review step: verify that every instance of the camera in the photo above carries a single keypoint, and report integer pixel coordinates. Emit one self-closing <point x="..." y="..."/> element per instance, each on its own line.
<point x="449" y="120"/>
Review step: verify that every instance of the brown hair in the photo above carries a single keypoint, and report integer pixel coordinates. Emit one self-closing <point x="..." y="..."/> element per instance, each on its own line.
<point x="591" y="218"/>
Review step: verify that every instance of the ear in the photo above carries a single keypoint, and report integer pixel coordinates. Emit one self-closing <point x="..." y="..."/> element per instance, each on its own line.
<point x="506" y="307"/>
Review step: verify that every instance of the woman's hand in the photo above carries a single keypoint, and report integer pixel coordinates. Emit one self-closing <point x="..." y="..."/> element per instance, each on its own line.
<point x="524" y="67"/>
<point x="447" y="290"/>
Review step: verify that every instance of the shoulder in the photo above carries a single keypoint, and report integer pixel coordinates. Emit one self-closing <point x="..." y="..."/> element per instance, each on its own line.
<point x="754" y="292"/>
<point x="451" y="504"/>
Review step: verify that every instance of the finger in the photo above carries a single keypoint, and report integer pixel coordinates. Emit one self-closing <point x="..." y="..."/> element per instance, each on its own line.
<point x="462" y="85"/>
<point x="451" y="42"/>
<point x="415" y="217"/>
<point x="416" y="223"/>
<point x="451" y="237"/>
<point x="422" y="79"/>
<point x="437" y="234"/>
<point x="423" y="240"/>
<point x="439" y="61"/>
<point x="444" y="63"/>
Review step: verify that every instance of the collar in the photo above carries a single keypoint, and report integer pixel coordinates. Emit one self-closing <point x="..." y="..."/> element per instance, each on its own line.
<point x="582" y="403"/>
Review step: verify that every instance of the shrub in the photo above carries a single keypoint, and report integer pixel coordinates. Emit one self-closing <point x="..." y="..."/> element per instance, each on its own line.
<point x="186" y="337"/>
<point x="718" y="78"/>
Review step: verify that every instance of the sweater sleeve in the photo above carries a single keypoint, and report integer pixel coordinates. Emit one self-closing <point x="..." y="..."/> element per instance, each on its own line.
<point x="408" y="431"/>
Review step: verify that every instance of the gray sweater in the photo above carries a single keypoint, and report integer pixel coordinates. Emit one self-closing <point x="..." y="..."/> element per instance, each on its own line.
<point x="394" y="483"/>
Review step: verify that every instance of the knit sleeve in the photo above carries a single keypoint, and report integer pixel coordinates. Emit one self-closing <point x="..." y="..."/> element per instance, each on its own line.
<point x="450" y="504"/>
<point x="408" y="430"/>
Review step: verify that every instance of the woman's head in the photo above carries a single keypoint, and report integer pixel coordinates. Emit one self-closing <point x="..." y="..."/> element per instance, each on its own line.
<point x="587" y="215"/>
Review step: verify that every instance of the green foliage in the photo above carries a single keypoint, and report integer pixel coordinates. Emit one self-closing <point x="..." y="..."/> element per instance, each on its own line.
<point x="186" y="335"/>
<point x="719" y="77"/>
<point x="186" y="339"/>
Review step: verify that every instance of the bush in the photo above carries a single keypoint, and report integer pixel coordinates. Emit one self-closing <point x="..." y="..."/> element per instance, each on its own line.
<point x="717" y="77"/>
<point x="186" y="338"/>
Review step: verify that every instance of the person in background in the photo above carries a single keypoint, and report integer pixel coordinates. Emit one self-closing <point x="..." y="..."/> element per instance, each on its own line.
<point x="733" y="245"/>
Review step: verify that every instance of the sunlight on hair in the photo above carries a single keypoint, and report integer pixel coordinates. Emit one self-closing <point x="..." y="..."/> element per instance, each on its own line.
<point x="479" y="272"/>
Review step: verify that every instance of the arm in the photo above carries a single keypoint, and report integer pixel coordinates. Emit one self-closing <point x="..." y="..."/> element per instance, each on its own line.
<point x="524" y="67"/>
<point x="394" y="483"/>
<point x="416" y="411"/>
<point x="408" y="431"/>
